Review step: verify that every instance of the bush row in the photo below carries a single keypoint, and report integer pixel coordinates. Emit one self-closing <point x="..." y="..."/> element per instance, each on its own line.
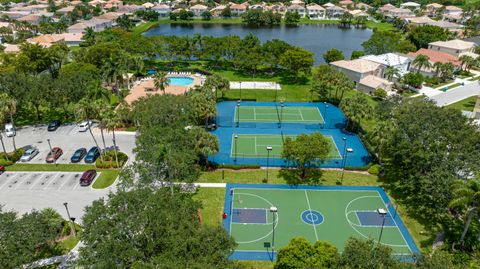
<point x="109" y="160"/>
<point x="13" y="157"/>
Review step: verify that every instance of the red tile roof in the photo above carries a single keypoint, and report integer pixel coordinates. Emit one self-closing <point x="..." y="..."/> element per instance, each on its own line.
<point x="437" y="56"/>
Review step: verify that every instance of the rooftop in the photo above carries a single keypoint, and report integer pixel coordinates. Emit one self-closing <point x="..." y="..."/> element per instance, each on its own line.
<point x="358" y="65"/>
<point x="436" y="56"/>
<point x="387" y="59"/>
<point x="454" y="44"/>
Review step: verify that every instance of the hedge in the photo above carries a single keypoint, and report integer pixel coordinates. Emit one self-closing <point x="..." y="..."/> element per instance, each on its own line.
<point x="109" y="160"/>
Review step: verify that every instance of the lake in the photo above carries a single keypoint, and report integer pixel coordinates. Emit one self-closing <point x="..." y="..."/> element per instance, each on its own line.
<point x="315" y="38"/>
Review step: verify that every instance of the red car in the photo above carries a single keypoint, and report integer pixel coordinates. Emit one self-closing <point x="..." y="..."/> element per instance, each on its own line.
<point x="87" y="177"/>
<point x="2" y="169"/>
<point x="54" y="155"/>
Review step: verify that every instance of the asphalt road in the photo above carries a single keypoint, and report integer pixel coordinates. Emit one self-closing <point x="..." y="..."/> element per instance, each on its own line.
<point x="456" y="94"/>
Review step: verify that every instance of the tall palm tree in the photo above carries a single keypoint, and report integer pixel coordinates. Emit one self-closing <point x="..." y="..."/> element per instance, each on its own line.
<point x="391" y="72"/>
<point x="206" y="143"/>
<point x="466" y="197"/>
<point x="355" y="108"/>
<point x="438" y="68"/>
<point x="161" y="81"/>
<point x="8" y="107"/>
<point x="379" y="137"/>
<point x="2" y="120"/>
<point x="421" y="61"/>
<point x="112" y="121"/>
<point x="467" y="61"/>
<point x="87" y="110"/>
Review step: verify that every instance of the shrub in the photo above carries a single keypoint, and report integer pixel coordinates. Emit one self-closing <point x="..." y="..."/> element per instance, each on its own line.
<point x="109" y="160"/>
<point x="240" y="166"/>
<point x="357" y="168"/>
<point x="374" y="169"/>
<point x="4" y="162"/>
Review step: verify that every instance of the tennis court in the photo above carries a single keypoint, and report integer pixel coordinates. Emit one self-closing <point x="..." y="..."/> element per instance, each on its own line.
<point x="330" y="213"/>
<point x="287" y="114"/>
<point x="255" y="145"/>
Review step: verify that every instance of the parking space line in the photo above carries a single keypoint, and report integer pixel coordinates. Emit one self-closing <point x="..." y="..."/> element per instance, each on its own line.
<point x="9" y="177"/>
<point x="39" y="177"/>
<point x="51" y="181"/>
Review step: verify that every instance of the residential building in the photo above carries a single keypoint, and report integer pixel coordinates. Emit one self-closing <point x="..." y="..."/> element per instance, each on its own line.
<point x="277" y="8"/>
<point x="328" y="5"/>
<point x="258" y="7"/>
<point x="315" y="12"/>
<point x="475" y="39"/>
<point x="13" y="15"/>
<point x="434" y="57"/>
<point x="217" y="11"/>
<point x="34" y="19"/>
<point x="162" y="10"/>
<point x="384" y="9"/>
<point x="421" y="21"/>
<point x="297" y="8"/>
<point x="451" y="10"/>
<point x="65" y="10"/>
<point x="410" y="5"/>
<point x="454" y="47"/>
<point x="11" y="48"/>
<point x="130" y="9"/>
<point x="69" y="39"/>
<point x="363" y="6"/>
<point x="397" y="61"/>
<point x="96" y="24"/>
<point x="30" y="8"/>
<point x="113" y="4"/>
<point x="238" y="9"/>
<point x="346" y="3"/>
<point x="358" y="13"/>
<point x="400" y="13"/>
<point x="334" y="12"/>
<point x="364" y="73"/>
<point x="148" y="5"/>
<point x="110" y="16"/>
<point x="432" y="9"/>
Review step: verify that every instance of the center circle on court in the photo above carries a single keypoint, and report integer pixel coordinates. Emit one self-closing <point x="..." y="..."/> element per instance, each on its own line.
<point x="312" y="217"/>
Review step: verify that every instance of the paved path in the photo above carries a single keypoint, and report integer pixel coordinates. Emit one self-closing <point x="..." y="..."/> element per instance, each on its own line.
<point x="457" y="94"/>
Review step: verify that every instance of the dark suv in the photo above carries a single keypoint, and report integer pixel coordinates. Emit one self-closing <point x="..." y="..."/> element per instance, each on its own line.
<point x="52" y="126"/>
<point x="92" y="155"/>
<point x="87" y="177"/>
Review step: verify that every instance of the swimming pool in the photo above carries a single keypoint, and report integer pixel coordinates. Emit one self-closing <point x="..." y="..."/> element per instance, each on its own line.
<point x="180" y="81"/>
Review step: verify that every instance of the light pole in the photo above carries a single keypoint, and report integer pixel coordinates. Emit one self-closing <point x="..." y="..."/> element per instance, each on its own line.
<point x="269" y="148"/>
<point x="274" y="211"/>
<point x="50" y="146"/>
<point x="344" y="156"/>
<point x="325" y="116"/>
<point x="383" y="213"/>
<point x="236" y="139"/>
<point x="238" y="113"/>
<point x="72" y="225"/>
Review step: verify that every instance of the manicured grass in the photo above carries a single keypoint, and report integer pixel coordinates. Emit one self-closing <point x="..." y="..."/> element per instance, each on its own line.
<point x="441" y="85"/>
<point x="454" y="85"/>
<point x="465" y="104"/>
<point x="106" y="178"/>
<point x="212" y="201"/>
<point x="256" y="264"/>
<point x="475" y="78"/>
<point x="143" y="27"/>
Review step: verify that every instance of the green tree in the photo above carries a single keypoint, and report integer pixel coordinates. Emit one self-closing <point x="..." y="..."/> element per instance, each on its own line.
<point x="87" y="110"/>
<point x="124" y="22"/>
<point x="218" y="84"/>
<point x="299" y="253"/>
<point x="333" y="55"/>
<point x="206" y="15"/>
<point x="297" y="60"/>
<point x="357" y="54"/>
<point x="329" y="84"/>
<point x="421" y="61"/>
<point x="150" y="228"/>
<point x="291" y="18"/>
<point x="161" y="81"/>
<point x="382" y="42"/>
<point x="226" y="12"/>
<point x="305" y="152"/>
<point x="467" y="61"/>
<point x="355" y="109"/>
<point x="421" y="36"/>
<point x="112" y="121"/>
<point x="273" y="51"/>
<point x="391" y="73"/>
<point x="466" y="197"/>
<point x="358" y="254"/>
<point x="206" y="144"/>
<point x="446" y="71"/>
<point x="203" y="105"/>
<point x="414" y="80"/>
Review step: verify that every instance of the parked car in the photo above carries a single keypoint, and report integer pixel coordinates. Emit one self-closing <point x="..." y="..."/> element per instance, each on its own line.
<point x="2" y="169"/>
<point x="54" y="154"/>
<point x="92" y="155"/>
<point x="52" y="126"/>
<point x="87" y="177"/>
<point x="78" y="155"/>
<point x="29" y="154"/>
<point x="84" y="125"/>
<point x="10" y="130"/>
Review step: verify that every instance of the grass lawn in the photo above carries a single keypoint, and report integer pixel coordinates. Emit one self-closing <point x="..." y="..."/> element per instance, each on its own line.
<point x="441" y="85"/>
<point x="106" y="178"/>
<point x="475" y="78"/>
<point x="465" y="104"/>
<point x="144" y="26"/>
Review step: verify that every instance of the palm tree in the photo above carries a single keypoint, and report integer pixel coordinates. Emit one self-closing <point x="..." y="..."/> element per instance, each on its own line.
<point x="112" y="121"/>
<point x="421" y="61"/>
<point x="379" y="137"/>
<point x="466" y="197"/>
<point x="467" y="61"/>
<point x="87" y="110"/>
<point x="8" y="106"/>
<point x="2" y="120"/>
<point x="161" y="81"/>
<point x="447" y="71"/>
<point x="391" y="72"/>
<point x="355" y="108"/>
<point x="438" y="68"/>
<point x="218" y="84"/>
<point x="206" y="143"/>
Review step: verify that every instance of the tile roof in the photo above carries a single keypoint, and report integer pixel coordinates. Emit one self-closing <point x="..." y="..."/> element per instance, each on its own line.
<point x="387" y="59"/>
<point x="375" y="82"/>
<point x="436" y="56"/>
<point x="358" y="65"/>
<point x="454" y="44"/>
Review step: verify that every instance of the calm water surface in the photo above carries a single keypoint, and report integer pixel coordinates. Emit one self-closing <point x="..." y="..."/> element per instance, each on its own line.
<point x="315" y="38"/>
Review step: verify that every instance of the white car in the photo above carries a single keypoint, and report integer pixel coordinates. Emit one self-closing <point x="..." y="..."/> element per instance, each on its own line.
<point x="9" y="130"/>
<point x="84" y="125"/>
<point x="29" y="154"/>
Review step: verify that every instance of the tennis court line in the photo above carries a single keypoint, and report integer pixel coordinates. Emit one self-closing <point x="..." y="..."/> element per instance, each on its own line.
<point x="310" y="208"/>
<point x="301" y="114"/>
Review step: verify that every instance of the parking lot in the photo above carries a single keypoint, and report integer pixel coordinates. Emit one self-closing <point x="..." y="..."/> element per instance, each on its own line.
<point x="69" y="139"/>
<point x="24" y="191"/>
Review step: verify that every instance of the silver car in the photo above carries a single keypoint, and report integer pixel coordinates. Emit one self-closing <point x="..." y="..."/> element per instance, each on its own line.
<point x="29" y="154"/>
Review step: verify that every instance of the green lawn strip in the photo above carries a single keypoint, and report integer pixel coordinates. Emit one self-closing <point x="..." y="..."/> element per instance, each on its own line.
<point x="475" y="78"/>
<point x="212" y="201"/>
<point x="441" y="85"/>
<point x="106" y="178"/>
<point x="143" y="27"/>
<point x="466" y="104"/>
<point x="454" y="86"/>
<point x="256" y="264"/>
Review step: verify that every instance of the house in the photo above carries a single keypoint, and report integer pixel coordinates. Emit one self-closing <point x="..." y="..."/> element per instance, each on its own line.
<point x="45" y="40"/>
<point x="452" y="10"/>
<point x="13" y="15"/>
<point x="358" y="13"/>
<point x="362" y="6"/>
<point x="33" y="19"/>
<point x="400" y="13"/>
<point x="258" y="7"/>
<point x="432" y="9"/>
<point x="148" y="5"/>
<point x="11" y="48"/>
<point x="434" y="57"/>
<point x="198" y="10"/>
<point x="475" y="39"/>
<point x="95" y="3"/>
<point x="365" y="74"/>
<point x="334" y="12"/>
<point x="297" y="8"/>
<point x="328" y="5"/>
<point x="424" y="20"/>
<point x="277" y="8"/>
<point x="297" y="2"/>
<point x="397" y="61"/>
<point x="346" y="3"/>
<point x="217" y="11"/>
<point x="454" y="47"/>
<point x="130" y="9"/>
<point x="30" y="8"/>
<point x="384" y="9"/>
<point x="410" y="5"/>
<point x="162" y="10"/>
<point x="238" y="9"/>
<point x="96" y="24"/>
<point x="113" y="16"/>
<point x="65" y="10"/>
<point x="113" y="4"/>
<point x="315" y="12"/>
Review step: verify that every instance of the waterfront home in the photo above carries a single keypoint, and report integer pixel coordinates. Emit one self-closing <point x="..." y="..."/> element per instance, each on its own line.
<point x="163" y="10"/>
<point x="315" y="12"/>
<point x="358" y="13"/>
<point x="384" y="9"/>
<point x="297" y="8"/>
<point x="238" y="9"/>
<point x="433" y="57"/>
<point x="450" y="10"/>
<point x="113" y="16"/>
<point x="35" y="19"/>
<point x="130" y="9"/>
<point x="400" y="13"/>
<point x="69" y="39"/>
<point x="364" y="73"/>
<point x="422" y="21"/>
<point x="96" y="24"/>
<point x="30" y="8"/>
<point x="148" y="5"/>
<point x="334" y="12"/>
<point x="432" y="9"/>
<point x="363" y="6"/>
<point x="454" y="47"/>
<point x="113" y="4"/>
<point x="410" y="5"/>
<point x="277" y="8"/>
<point x="260" y="7"/>
<point x="217" y="11"/>
<point x="328" y="5"/>
<point x="397" y="61"/>
<point x="198" y="9"/>
<point x="297" y="2"/>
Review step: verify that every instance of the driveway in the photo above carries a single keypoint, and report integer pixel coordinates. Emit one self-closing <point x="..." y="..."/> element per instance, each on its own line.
<point x="68" y="138"/>
<point x="24" y="191"/>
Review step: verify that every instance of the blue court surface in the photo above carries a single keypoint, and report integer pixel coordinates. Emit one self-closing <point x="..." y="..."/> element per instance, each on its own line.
<point x="260" y="124"/>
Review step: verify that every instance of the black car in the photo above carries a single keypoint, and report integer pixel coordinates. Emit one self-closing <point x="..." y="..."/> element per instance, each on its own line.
<point x="78" y="155"/>
<point x="92" y="155"/>
<point x="52" y="126"/>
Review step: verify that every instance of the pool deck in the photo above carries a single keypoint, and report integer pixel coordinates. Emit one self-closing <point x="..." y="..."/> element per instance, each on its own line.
<point x="146" y="87"/>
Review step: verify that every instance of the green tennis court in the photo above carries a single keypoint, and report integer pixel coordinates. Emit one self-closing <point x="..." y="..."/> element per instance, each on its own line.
<point x="288" y="114"/>
<point x="329" y="213"/>
<point x="255" y="145"/>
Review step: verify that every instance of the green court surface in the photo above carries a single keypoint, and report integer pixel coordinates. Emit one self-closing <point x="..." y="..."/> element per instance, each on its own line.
<point x="290" y="114"/>
<point x="255" y="145"/>
<point x="328" y="214"/>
